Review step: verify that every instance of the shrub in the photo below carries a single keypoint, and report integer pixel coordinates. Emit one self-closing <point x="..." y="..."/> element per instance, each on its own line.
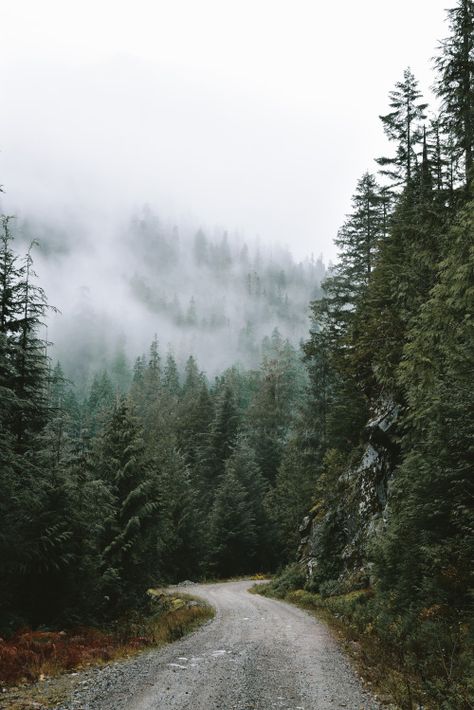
<point x="290" y="578"/>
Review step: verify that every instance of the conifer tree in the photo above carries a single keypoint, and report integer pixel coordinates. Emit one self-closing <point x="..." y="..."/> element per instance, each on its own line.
<point x="99" y="402"/>
<point x="30" y="361"/>
<point x="455" y="82"/>
<point x="269" y="416"/>
<point x="424" y="559"/>
<point x="243" y="465"/>
<point x="137" y="388"/>
<point x="120" y="370"/>
<point x="128" y="560"/>
<point x="11" y="273"/>
<point x="403" y="125"/>
<point x="151" y="379"/>
<point x="171" y="382"/>
<point x="35" y="542"/>
<point x="179" y="540"/>
<point x="217" y="445"/>
<point x="195" y="413"/>
<point x="224" y="429"/>
<point x="192" y="377"/>
<point x="360" y="237"/>
<point x="232" y="533"/>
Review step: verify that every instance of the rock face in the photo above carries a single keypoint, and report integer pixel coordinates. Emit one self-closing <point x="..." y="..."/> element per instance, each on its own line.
<point x="360" y="513"/>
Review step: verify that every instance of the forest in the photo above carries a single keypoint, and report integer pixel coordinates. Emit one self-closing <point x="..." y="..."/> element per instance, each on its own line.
<point x="156" y="475"/>
<point x="351" y="455"/>
<point x="203" y="291"/>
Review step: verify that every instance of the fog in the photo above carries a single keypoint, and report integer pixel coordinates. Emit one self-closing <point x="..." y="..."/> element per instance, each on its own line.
<point x="251" y="117"/>
<point x="206" y="293"/>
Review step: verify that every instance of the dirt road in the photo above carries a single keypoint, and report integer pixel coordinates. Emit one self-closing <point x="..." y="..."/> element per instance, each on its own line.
<point x="257" y="654"/>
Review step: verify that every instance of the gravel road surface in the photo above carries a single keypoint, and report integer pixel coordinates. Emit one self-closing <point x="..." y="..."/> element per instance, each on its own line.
<point x="256" y="654"/>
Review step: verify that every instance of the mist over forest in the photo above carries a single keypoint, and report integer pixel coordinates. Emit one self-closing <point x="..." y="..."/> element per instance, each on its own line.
<point x="183" y="403"/>
<point x="200" y="291"/>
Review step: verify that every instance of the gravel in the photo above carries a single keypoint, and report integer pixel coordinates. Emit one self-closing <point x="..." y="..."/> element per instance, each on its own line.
<point x="257" y="654"/>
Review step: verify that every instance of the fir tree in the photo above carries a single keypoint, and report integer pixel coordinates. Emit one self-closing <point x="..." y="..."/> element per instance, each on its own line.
<point x="171" y="382"/>
<point x="179" y="545"/>
<point x="403" y="125"/>
<point x="232" y="533"/>
<point x="455" y="82"/>
<point x="128" y="563"/>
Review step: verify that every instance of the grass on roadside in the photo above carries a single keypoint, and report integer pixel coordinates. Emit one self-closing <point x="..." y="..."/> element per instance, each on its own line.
<point x="404" y="673"/>
<point x="33" y="655"/>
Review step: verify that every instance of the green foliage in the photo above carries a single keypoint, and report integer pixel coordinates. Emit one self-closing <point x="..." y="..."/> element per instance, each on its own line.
<point x="287" y="501"/>
<point x="232" y="530"/>
<point x="403" y="126"/>
<point x="151" y="476"/>
<point x="158" y="475"/>
<point x="121" y="464"/>
<point x="434" y="482"/>
<point x="279" y="390"/>
<point x="455" y="83"/>
<point x="400" y="335"/>
<point x="288" y="580"/>
<point x="178" y="537"/>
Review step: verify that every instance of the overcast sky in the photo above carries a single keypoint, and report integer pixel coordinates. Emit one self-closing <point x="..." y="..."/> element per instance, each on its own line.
<point x="257" y="115"/>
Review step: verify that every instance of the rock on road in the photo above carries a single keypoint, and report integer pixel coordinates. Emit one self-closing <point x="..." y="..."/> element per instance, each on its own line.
<point x="256" y="654"/>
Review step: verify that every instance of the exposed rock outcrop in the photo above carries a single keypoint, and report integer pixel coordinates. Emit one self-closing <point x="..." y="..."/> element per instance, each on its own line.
<point x="360" y="513"/>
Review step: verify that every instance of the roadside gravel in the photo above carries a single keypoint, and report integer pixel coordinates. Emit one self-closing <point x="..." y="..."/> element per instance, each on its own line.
<point x="257" y="654"/>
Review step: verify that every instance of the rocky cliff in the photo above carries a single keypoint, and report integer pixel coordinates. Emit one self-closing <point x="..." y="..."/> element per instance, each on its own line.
<point x="357" y="516"/>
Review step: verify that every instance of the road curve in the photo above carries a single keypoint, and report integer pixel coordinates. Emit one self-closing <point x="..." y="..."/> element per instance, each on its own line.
<point x="257" y="654"/>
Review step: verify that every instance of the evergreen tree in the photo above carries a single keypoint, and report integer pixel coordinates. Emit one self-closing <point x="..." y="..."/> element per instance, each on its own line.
<point x="455" y="82"/>
<point x="270" y="413"/>
<point x="232" y="533"/>
<point x="195" y="413"/>
<point x="171" y="382"/>
<point x="151" y="376"/>
<point x="11" y="274"/>
<point x="99" y="402"/>
<point x="243" y="466"/>
<point x="35" y="540"/>
<point x="430" y="511"/>
<point x="128" y="561"/>
<point x="179" y="545"/>
<point x="403" y="125"/>
<point x="137" y="388"/>
<point x="30" y="362"/>
<point x="224" y="429"/>
<point x="120" y="373"/>
<point x="217" y="446"/>
<point x="360" y="237"/>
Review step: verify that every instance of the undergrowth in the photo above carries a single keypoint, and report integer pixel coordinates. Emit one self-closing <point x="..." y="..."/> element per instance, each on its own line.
<point x="32" y="655"/>
<point x="422" y="660"/>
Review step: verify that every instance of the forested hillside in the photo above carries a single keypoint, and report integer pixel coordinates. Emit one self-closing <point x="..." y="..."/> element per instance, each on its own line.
<point x="165" y="478"/>
<point x="243" y="452"/>
<point x="203" y="292"/>
<point x="391" y="362"/>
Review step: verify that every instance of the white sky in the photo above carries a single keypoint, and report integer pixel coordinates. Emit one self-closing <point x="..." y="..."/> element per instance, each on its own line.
<point x="258" y="115"/>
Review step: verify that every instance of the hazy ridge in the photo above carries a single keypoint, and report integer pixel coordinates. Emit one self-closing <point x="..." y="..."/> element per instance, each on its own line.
<point x="203" y="292"/>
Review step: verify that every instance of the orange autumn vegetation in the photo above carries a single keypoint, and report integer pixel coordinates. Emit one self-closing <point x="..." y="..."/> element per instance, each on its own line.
<point x="30" y="655"/>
